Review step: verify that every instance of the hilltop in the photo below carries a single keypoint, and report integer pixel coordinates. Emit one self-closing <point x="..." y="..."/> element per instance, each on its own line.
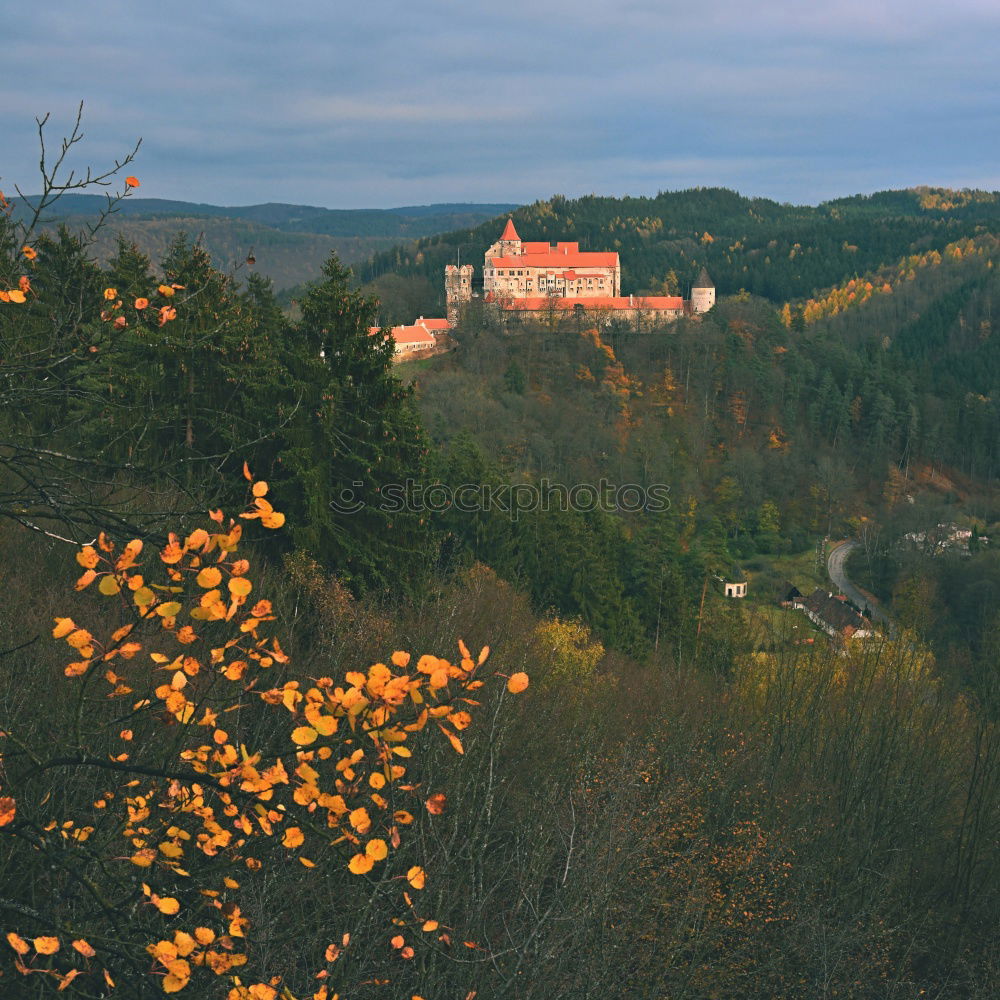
<point x="781" y="252"/>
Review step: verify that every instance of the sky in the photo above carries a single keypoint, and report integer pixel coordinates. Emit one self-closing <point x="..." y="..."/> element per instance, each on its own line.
<point x="382" y="103"/>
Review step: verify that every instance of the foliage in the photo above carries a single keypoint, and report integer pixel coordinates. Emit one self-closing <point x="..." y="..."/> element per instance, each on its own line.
<point x="225" y="765"/>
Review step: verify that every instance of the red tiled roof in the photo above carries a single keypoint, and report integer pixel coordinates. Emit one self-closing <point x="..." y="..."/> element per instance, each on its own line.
<point x="413" y="335"/>
<point x="558" y="259"/>
<point x="434" y="324"/>
<point x="416" y="334"/>
<point x="510" y="233"/>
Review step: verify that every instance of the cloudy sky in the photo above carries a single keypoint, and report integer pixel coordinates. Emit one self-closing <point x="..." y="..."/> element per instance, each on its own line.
<point x="378" y="103"/>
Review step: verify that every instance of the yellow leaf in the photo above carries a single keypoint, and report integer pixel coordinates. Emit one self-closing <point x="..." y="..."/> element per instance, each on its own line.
<point x="304" y="735"/>
<point x="209" y="577"/>
<point x="109" y="585"/>
<point x="177" y="977"/>
<point x="240" y="586"/>
<point x="16" y="295"/>
<point x="166" y="904"/>
<point x="143" y="597"/>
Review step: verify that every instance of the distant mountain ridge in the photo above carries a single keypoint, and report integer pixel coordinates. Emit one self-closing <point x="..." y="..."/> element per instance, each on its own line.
<point x="407" y="222"/>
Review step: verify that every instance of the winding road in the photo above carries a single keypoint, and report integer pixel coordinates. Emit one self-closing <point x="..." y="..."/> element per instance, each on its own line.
<point x="836" y="566"/>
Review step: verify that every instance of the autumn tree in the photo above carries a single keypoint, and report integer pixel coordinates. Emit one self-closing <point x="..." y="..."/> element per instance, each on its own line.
<point x="147" y="841"/>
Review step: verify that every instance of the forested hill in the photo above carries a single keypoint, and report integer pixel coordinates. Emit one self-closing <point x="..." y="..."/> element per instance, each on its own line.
<point x="779" y="251"/>
<point x="290" y="242"/>
<point x="407" y="222"/>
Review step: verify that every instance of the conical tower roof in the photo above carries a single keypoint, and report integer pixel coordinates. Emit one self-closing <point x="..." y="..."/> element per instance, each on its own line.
<point x="704" y="281"/>
<point x="510" y="233"/>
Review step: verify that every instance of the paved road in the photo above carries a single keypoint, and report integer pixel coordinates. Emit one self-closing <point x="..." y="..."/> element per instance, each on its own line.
<point x="836" y="566"/>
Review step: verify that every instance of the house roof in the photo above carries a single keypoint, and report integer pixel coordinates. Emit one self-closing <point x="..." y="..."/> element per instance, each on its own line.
<point x="415" y="334"/>
<point x="561" y="259"/>
<point x="833" y="610"/>
<point x="510" y="233"/>
<point x="434" y="324"/>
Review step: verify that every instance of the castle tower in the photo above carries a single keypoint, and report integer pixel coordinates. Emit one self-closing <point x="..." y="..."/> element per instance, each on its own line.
<point x="457" y="289"/>
<point x="510" y="242"/>
<point x="702" y="293"/>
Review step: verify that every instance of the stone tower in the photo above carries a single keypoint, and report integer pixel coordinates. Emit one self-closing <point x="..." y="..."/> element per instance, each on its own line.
<point x="457" y="289"/>
<point x="702" y="293"/>
<point x="509" y="244"/>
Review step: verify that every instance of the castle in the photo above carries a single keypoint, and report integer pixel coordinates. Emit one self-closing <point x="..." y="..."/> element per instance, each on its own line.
<point x="529" y="278"/>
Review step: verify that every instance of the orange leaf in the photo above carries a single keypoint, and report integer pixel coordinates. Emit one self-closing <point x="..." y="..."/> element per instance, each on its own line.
<point x="416" y="876"/>
<point x="46" y="945"/>
<point x="8" y="808"/>
<point x="361" y="864"/>
<point x="304" y="735"/>
<point x="452" y="739"/>
<point x="360" y="820"/>
<point x="293" y="837"/>
<point x="435" y="803"/>
<point x="517" y="683"/>
<point x="84" y="948"/>
<point x="64" y="981"/>
<point x="132" y="182"/>
<point x="17" y="943"/>
<point x="377" y="850"/>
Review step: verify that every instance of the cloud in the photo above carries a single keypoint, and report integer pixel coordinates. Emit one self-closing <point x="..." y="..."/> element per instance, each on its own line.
<point x="386" y="103"/>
